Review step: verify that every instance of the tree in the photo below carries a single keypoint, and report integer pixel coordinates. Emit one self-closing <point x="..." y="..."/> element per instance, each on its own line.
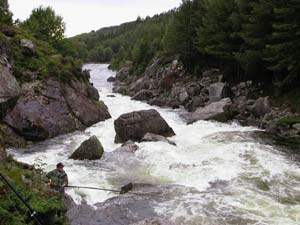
<point x="5" y="14"/>
<point x="256" y="28"/>
<point x="283" y="52"/>
<point x="217" y="35"/>
<point x="45" y="25"/>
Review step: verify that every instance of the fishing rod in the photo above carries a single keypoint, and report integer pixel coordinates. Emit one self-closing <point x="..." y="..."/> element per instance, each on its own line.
<point x="33" y="213"/>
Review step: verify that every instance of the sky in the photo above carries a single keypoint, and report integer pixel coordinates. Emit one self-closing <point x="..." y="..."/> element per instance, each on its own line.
<point x="83" y="16"/>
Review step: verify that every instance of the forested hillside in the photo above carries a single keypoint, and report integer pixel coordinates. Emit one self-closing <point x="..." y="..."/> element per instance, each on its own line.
<point x="249" y="40"/>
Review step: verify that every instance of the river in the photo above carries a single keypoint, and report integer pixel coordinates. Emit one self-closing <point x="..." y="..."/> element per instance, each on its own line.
<point x="244" y="179"/>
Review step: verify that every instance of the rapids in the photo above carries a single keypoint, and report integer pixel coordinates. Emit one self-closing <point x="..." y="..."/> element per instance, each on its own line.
<point x="245" y="182"/>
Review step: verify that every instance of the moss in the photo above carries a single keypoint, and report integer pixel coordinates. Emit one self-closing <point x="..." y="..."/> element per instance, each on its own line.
<point x="288" y="121"/>
<point x="46" y="203"/>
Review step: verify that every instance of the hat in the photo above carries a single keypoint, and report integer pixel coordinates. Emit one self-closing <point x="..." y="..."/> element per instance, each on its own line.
<point x="59" y="165"/>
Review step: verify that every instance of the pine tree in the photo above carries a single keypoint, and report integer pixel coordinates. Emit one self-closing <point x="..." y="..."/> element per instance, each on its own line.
<point x="217" y="35"/>
<point x="5" y="14"/>
<point x="284" y="50"/>
<point x="256" y="28"/>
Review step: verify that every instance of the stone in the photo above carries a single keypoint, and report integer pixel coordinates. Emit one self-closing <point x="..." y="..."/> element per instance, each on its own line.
<point x="90" y="149"/>
<point x="217" y="91"/>
<point x="9" y="87"/>
<point x="133" y="126"/>
<point x="261" y="107"/>
<point x="143" y="95"/>
<point x="297" y="126"/>
<point x="129" y="147"/>
<point x="214" y="111"/>
<point x="156" y="138"/>
<point x="111" y="79"/>
<point x="28" y="46"/>
<point x="111" y="96"/>
<point x="183" y="97"/>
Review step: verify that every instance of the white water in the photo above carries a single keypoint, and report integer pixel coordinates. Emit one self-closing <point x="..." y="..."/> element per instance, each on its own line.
<point x="205" y="152"/>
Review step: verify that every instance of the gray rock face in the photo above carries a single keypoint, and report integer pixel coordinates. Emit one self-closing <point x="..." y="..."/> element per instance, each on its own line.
<point x="156" y="138"/>
<point x="214" y="111"/>
<point x="261" y="107"/>
<point x="47" y="109"/>
<point x="217" y="91"/>
<point x="90" y="149"/>
<point x="133" y="126"/>
<point x="9" y="87"/>
<point x="143" y="95"/>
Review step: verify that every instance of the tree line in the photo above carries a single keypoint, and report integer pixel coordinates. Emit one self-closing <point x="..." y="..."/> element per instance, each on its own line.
<point x="247" y="39"/>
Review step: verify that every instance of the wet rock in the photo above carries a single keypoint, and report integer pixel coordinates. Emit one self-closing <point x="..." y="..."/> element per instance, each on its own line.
<point x="143" y="95"/>
<point x="10" y="138"/>
<point x="123" y="73"/>
<point x="161" y="102"/>
<point x="9" y="87"/>
<point x="261" y="107"/>
<point x="133" y="126"/>
<point x="156" y="138"/>
<point x="128" y="146"/>
<point x="90" y="149"/>
<point x="85" y="109"/>
<point x="111" y="96"/>
<point x="111" y="79"/>
<point x="214" y="111"/>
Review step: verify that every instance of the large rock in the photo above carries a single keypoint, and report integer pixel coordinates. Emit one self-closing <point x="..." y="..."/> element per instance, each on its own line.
<point x="297" y="126"/>
<point x="133" y="126"/>
<point x="156" y="138"/>
<point x="128" y="147"/>
<point x="214" y="111"/>
<point x="217" y="91"/>
<point x="9" y="87"/>
<point x="2" y="150"/>
<point x="87" y="110"/>
<point x="143" y="95"/>
<point x="28" y="46"/>
<point x="261" y="107"/>
<point x="47" y="109"/>
<point x="90" y="149"/>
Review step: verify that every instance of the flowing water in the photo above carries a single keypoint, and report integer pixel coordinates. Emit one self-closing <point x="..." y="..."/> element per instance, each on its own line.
<point x="245" y="182"/>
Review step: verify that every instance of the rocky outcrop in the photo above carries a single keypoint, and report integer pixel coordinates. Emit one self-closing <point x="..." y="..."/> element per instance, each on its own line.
<point x="215" y="111"/>
<point x="156" y="138"/>
<point x="9" y="87"/>
<point x="261" y="107"/>
<point x="143" y="95"/>
<point x="48" y="108"/>
<point x="133" y="126"/>
<point x="90" y="149"/>
<point x="28" y="46"/>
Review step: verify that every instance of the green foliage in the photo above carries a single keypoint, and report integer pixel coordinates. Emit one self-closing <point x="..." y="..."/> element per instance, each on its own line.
<point x="45" y="203"/>
<point x="45" y="25"/>
<point x="289" y="120"/>
<point x="5" y="14"/>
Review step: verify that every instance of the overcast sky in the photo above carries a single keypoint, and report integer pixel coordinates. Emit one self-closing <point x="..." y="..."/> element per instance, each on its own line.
<point x="86" y="15"/>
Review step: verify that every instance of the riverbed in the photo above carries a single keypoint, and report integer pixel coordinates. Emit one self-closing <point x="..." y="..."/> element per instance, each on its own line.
<point x="240" y="177"/>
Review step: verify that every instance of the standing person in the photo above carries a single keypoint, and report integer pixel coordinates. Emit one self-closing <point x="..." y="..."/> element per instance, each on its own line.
<point x="58" y="179"/>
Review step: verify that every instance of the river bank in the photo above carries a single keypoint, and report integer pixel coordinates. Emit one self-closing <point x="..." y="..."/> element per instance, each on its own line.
<point x="246" y="181"/>
<point x="165" y="83"/>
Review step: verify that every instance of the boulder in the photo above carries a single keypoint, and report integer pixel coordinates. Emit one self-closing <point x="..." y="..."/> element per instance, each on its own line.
<point x="123" y="73"/>
<point x="214" y="111"/>
<point x="217" y="91"/>
<point x="296" y="126"/>
<point x="9" y="87"/>
<point x="28" y="46"/>
<point x="129" y="147"/>
<point x="133" y="126"/>
<point x="261" y="107"/>
<point x="183" y="97"/>
<point x="90" y="149"/>
<point x="48" y="108"/>
<point x="156" y="138"/>
<point x="87" y="110"/>
<point x="111" y="79"/>
<point x="143" y="95"/>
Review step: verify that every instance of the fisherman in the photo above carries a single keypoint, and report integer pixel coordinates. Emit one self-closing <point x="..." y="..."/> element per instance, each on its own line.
<point x="58" y="179"/>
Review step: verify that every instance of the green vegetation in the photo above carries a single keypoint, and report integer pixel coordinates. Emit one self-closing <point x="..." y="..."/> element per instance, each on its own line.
<point x="29" y="182"/>
<point x="289" y="121"/>
<point x="45" y="25"/>
<point x="256" y="40"/>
